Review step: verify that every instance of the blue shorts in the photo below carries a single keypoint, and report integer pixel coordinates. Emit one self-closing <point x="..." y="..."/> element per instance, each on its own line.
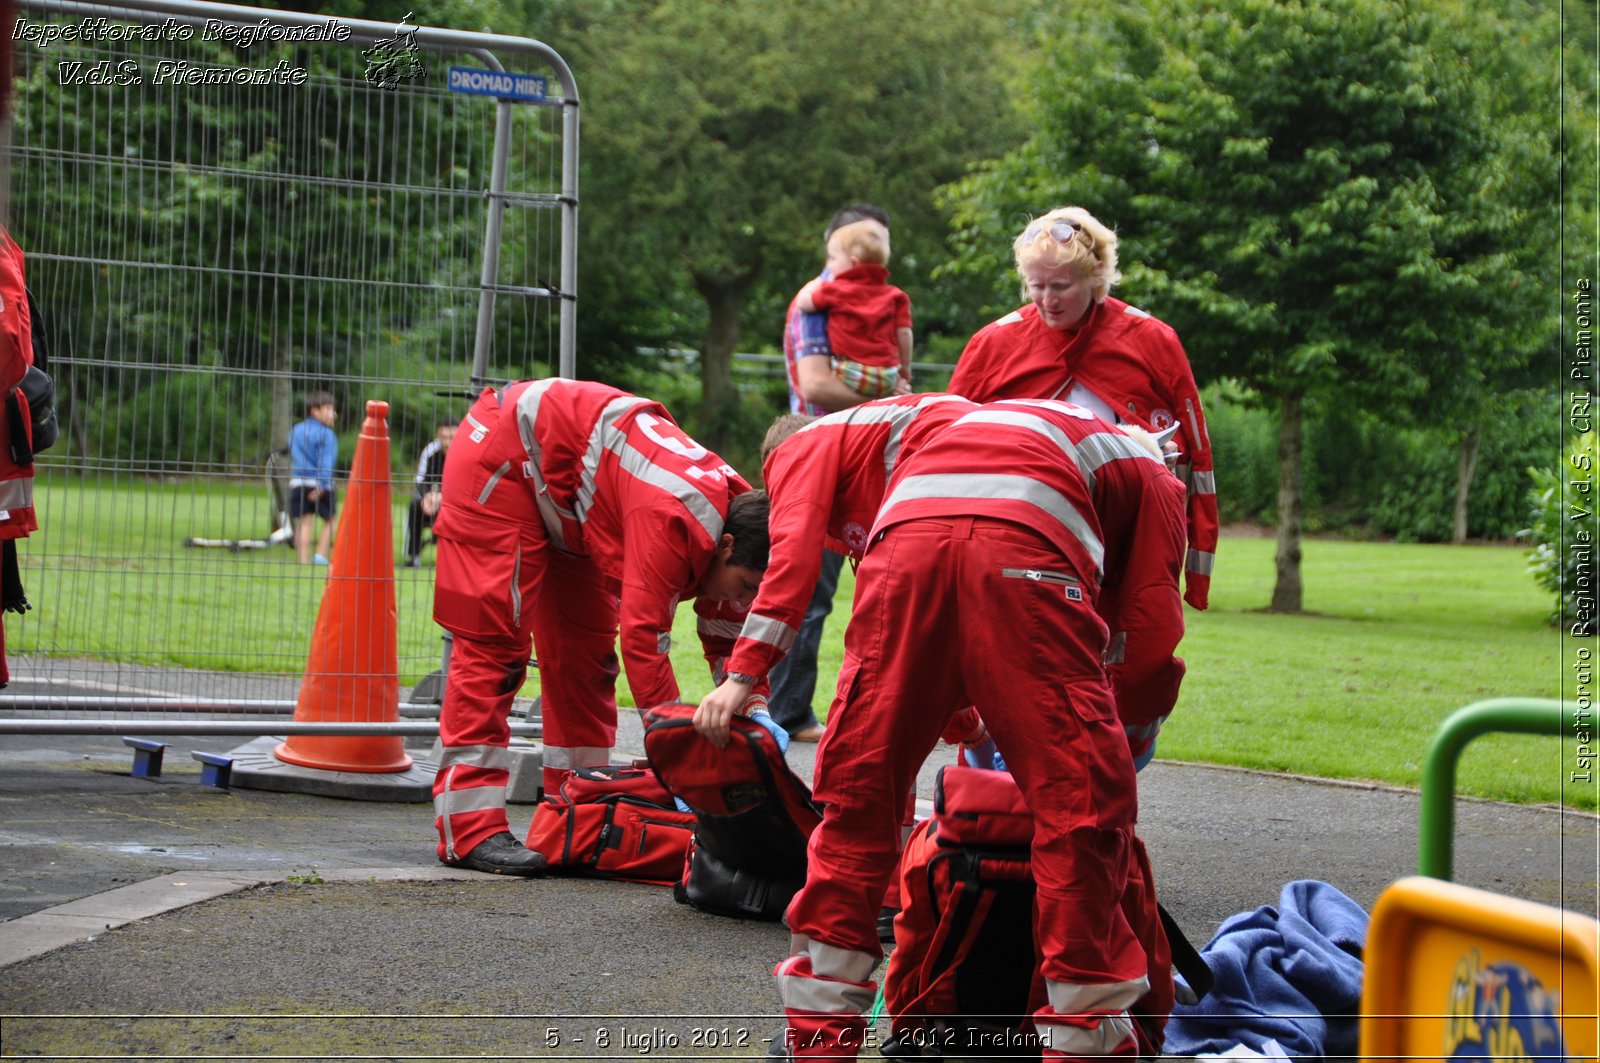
<point x="301" y="505"/>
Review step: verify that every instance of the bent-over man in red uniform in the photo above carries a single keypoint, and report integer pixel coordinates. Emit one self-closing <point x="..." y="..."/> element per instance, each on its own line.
<point x="979" y="587"/>
<point x="570" y="510"/>
<point x="826" y="479"/>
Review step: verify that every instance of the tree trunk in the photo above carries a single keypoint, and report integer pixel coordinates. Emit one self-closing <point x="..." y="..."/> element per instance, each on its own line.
<point x="1466" y="465"/>
<point x="725" y="301"/>
<point x="1286" y="593"/>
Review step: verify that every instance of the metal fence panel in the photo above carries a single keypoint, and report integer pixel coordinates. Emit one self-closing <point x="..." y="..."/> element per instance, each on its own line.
<point x="224" y="209"/>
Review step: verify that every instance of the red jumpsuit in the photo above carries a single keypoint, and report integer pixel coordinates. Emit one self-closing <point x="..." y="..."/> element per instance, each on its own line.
<point x="826" y="483"/>
<point x="979" y="586"/>
<point x="17" y="519"/>
<point x="569" y="508"/>
<point x="1134" y="363"/>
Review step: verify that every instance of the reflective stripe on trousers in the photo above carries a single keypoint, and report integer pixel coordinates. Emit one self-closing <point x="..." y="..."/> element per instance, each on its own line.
<point x="1097" y="1013"/>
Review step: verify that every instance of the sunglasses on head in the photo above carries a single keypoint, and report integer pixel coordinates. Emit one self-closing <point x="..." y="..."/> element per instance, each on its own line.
<point x="1061" y="231"/>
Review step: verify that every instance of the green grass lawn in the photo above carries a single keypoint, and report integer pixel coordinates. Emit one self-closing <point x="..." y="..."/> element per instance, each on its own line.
<point x="1395" y="637"/>
<point x="110" y="578"/>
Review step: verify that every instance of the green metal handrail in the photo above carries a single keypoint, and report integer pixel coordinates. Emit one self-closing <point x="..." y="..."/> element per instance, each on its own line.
<point x="1542" y="716"/>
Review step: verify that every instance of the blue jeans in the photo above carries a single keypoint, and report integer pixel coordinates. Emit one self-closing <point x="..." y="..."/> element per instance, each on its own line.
<point x="794" y="679"/>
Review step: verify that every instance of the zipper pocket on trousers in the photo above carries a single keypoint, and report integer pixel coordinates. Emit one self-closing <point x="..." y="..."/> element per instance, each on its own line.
<point x="1037" y="575"/>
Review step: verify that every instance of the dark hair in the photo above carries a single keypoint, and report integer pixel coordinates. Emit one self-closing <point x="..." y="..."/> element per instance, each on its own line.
<point x="318" y="399"/>
<point x="747" y="523"/>
<point x="856" y="212"/>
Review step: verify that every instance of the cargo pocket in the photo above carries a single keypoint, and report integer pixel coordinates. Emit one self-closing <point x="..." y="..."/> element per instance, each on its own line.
<point x="481" y="582"/>
<point x="1091" y="699"/>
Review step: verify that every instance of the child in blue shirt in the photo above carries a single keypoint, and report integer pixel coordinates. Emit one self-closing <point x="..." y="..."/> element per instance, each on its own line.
<point x="312" y="450"/>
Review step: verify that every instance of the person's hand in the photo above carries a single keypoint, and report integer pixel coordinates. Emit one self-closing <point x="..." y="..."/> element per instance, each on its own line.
<point x="902" y="386"/>
<point x="718" y="707"/>
<point x="313" y="494"/>
<point x="430" y="503"/>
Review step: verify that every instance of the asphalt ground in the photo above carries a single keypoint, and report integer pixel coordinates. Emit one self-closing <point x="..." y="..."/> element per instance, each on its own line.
<point x="162" y="918"/>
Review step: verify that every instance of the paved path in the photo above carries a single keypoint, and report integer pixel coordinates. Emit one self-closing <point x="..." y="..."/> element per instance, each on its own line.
<point x="319" y="914"/>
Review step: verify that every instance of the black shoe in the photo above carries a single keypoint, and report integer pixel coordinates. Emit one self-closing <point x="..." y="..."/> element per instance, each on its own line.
<point x="779" y="1049"/>
<point x="413" y="562"/>
<point x="886" y="924"/>
<point x="502" y="854"/>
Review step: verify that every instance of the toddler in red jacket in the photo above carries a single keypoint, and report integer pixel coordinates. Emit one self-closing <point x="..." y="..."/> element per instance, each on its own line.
<point x="869" y="319"/>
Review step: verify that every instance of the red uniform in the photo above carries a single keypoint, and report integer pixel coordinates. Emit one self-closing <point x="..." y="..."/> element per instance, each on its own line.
<point x="826" y="483"/>
<point x="980" y="586"/>
<point x="17" y="517"/>
<point x="865" y="314"/>
<point x="1132" y="362"/>
<point x="568" y="508"/>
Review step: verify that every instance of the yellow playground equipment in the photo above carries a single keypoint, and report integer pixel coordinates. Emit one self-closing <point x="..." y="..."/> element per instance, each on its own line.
<point x="1455" y="973"/>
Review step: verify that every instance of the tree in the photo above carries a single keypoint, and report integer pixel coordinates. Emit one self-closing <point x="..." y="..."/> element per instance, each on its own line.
<point x="224" y="225"/>
<point x="718" y="139"/>
<point x="1320" y="197"/>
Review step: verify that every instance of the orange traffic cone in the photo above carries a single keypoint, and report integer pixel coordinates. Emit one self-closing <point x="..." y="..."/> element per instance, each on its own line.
<point x="352" y="672"/>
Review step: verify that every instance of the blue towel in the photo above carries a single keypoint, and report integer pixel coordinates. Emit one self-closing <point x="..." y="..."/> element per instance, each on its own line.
<point x="1291" y="974"/>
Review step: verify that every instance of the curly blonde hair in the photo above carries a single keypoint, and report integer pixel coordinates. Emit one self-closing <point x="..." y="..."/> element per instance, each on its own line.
<point x="1074" y="238"/>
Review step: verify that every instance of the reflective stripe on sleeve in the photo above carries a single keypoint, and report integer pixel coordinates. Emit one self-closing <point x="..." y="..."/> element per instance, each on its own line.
<point x="493" y="758"/>
<point x="1204" y="483"/>
<point x="1200" y="562"/>
<point x="16" y="494"/>
<point x="1019" y="488"/>
<point x="1195" y="434"/>
<point x="765" y="629"/>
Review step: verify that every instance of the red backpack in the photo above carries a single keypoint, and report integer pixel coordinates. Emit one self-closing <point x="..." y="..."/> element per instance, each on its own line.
<point x="964" y="979"/>
<point x="753" y="815"/>
<point x="613" y="822"/>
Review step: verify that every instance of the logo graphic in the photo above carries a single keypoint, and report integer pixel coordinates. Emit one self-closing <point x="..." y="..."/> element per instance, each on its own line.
<point x="1161" y="420"/>
<point x="1500" y="1012"/>
<point x="395" y="59"/>
<point x="855" y="537"/>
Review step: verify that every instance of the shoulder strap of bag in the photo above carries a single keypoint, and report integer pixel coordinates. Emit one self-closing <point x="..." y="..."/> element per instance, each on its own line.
<point x="961" y="917"/>
<point x="1189" y="962"/>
